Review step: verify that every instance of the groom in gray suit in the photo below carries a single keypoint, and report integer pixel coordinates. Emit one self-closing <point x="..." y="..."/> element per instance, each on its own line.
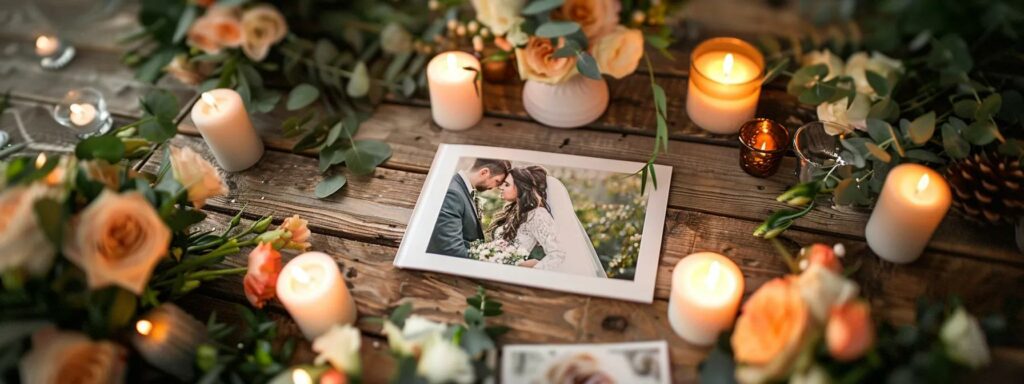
<point x="458" y="224"/>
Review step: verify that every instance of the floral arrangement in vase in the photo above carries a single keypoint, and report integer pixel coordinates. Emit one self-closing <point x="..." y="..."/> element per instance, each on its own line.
<point x="812" y="326"/>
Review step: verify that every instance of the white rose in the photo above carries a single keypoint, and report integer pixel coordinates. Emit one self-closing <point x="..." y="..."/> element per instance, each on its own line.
<point x="22" y="242"/>
<point x="847" y="118"/>
<point x="498" y="15"/>
<point x="118" y="239"/>
<point x="443" y="362"/>
<point x="197" y="175"/>
<point x="71" y="357"/>
<point x="340" y="347"/>
<point x="619" y="52"/>
<point x="859" y="63"/>
<point x="824" y="56"/>
<point x="516" y="36"/>
<point x="965" y="342"/>
<point x="822" y="289"/>
<point x="417" y="332"/>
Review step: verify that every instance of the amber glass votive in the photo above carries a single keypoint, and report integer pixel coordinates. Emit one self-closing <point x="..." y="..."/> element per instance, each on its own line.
<point x="764" y="144"/>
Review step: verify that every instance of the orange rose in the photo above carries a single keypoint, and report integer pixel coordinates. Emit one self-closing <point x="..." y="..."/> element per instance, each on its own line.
<point x="770" y="331"/>
<point x="260" y="282"/>
<point x="218" y="28"/>
<point x="850" y="331"/>
<point x="300" y="233"/>
<point x="537" y="61"/>
<point x="596" y="17"/>
<point x="71" y="357"/>
<point x="823" y="255"/>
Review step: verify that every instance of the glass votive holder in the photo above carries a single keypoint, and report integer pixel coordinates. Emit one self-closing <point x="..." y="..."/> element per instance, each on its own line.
<point x="764" y="144"/>
<point x="816" y="149"/>
<point x="83" y="110"/>
<point x="53" y="51"/>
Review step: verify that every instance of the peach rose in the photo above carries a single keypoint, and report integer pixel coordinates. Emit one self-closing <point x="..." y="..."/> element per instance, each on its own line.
<point x="215" y="30"/>
<point x="596" y="17"/>
<point x="103" y="172"/>
<point x="186" y="72"/>
<point x="262" y="26"/>
<point x="537" y="61"/>
<point x="823" y="255"/>
<point x="197" y="175"/>
<point x="299" y="229"/>
<point x="850" y="331"/>
<point x="202" y="35"/>
<point x="71" y="357"/>
<point x="260" y="282"/>
<point x="118" y="239"/>
<point x="23" y="243"/>
<point x="771" y="331"/>
<point x="619" y="52"/>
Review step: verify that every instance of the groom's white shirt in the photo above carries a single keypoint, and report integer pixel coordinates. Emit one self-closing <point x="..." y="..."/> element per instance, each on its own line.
<point x="465" y="179"/>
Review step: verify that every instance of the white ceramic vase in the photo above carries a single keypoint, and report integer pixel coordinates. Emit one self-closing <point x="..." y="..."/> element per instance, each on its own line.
<point x="569" y="104"/>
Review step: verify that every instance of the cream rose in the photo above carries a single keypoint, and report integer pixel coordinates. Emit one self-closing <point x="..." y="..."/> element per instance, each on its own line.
<point x="845" y="119"/>
<point x="414" y="335"/>
<point x="595" y="17"/>
<point x="118" y="239"/>
<point x="822" y="289"/>
<point x="537" y="62"/>
<point x="444" y="362"/>
<point x="824" y="56"/>
<point x="71" y="357"/>
<point x="619" y="52"/>
<point x="964" y="340"/>
<point x="859" y="63"/>
<point x="339" y="347"/>
<point x="197" y="175"/>
<point x="22" y="242"/>
<point x="498" y="15"/>
<point x="262" y="27"/>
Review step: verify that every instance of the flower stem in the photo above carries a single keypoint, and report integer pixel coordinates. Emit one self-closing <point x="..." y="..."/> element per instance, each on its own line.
<point x="213" y="273"/>
<point x="786" y="256"/>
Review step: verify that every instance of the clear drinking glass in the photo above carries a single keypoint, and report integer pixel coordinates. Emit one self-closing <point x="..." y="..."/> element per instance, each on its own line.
<point x="83" y="110"/>
<point x="816" y="149"/>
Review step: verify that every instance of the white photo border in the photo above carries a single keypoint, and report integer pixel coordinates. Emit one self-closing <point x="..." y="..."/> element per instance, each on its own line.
<point x="412" y="252"/>
<point x="509" y="352"/>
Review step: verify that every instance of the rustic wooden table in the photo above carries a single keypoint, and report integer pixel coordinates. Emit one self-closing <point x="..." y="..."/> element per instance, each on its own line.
<point x="713" y="205"/>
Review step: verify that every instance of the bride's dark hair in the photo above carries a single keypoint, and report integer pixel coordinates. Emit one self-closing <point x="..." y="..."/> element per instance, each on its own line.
<point x="532" y="187"/>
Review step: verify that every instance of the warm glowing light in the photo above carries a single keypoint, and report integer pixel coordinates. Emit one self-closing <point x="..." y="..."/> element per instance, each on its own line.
<point x="452" y="62"/>
<point x="714" y="273"/>
<point x="764" y="144"/>
<point x="923" y="183"/>
<point x="300" y="376"/>
<point x="45" y="42"/>
<point x="144" y="327"/>
<point x="210" y="100"/>
<point x="727" y="64"/>
<point x="40" y="160"/>
<point x="301" y="275"/>
<point x="76" y="109"/>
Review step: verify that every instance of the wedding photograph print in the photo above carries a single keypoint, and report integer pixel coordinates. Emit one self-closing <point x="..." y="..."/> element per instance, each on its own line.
<point x="546" y="220"/>
<point x="632" y="363"/>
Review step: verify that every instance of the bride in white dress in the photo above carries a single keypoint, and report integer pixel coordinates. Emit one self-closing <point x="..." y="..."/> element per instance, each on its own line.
<point x="539" y="212"/>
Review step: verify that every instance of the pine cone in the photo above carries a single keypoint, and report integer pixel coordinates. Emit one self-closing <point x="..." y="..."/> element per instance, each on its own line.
<point x="987" y="187"/>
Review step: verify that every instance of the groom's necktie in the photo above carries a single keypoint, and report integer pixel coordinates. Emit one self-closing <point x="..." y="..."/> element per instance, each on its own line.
<point x="476" y="205"/>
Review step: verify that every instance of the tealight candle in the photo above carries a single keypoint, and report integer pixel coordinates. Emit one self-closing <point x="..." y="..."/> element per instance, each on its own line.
<point x="221" y="118"/>
<point x="47" y="45"/>
<point x="764" y="144"/>
<point x="706" y="292"/>
<point x="725" y="84"/>
<point x="167" y="338"/>
<point x="312" y="290"/>
<point x="455" y="95"/>
<point x="82" y="114"/>
<point x="53" y="52"/>
<point x="913" y="202"/>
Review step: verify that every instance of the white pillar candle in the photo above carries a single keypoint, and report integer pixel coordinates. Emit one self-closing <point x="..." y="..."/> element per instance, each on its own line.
<point x="167" y="338"/>
<point x="312" y="290"/>
<point x="724" y="85"/>
<point x="456" y="102"/>
<point x="47" y="45"/>
<point x="221" y="118"/>
<point x="82" y="114"/>
<point x="706" y="292"/>
<point x="913" y="202"/>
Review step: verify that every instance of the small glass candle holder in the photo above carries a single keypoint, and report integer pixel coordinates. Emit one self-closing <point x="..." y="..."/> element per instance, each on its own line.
<point x="764" y="144"/>
<point x="84" y="111"/>
<point x="53" y="52"/>
<point x="816" y="149"/>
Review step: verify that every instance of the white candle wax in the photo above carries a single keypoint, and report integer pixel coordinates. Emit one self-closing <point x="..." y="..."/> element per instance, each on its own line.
<point x="724" y="85"/>
<point x="706" y="292"/>
<point x="47" y="45"/>
<point x="167" y="338"/>
<point x="82" y="114"/>
<point x="312" y="290"/>
<point x="221" y="118"/>
<point x="455" y="98"/>
<point x="913" y="202"/>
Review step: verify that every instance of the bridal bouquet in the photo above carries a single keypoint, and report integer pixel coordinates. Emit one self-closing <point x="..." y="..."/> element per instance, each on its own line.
<point x="811" y="326"/>
<point x="498" y="251"/>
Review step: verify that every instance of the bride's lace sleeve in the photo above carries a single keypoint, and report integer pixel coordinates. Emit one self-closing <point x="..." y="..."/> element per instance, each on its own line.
<point x="543" y="230"/>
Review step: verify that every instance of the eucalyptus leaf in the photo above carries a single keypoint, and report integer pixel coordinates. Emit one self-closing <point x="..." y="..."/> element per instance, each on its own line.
<point x="966" y="108"/>
<point x="955" y="145"/>
<point x="1012" y="147"/>
<point x="554" y="29"/>
<point x="184" y="22"/>
<point x="330" y="156"/>
<point x="989" y="107"/>
<point x="359" y="84"/>
<point x="886" y="109"/>
<point x="878" y="153"/>
<point x="366" y="155"/>
<point x="922" y="128"/>
<point x="324" y="52"/>
<point x="104" y="147"/>
<point x="879" y="130"/>
<point x="587" y="66"/>
<point x="1012" y="110"/>
<point x="122" y="310"/>
<point x="982" y="132"/>
<point x="804" y="77"/>
<point x="925" y="156"/>
<point x="161" y="103"/>
<point x="540" y="6"/>
<point x="50" y="217"/>
<point x="330" y="185"/>
<point x="301" y="96"/>
<point x="817" y="94"/>
<point x="878" y="82"/>
<point x="848" y="192"/>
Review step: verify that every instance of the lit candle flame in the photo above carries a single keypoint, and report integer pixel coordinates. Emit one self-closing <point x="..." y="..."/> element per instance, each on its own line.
<point x="43" y="42"/>
<point x="763" y="145"/>
<point x="301" y="275"/>
<point x="922" y="184"/>
<point x="452" y="62"/>
<point x="727" y="64"/>
<point x="40" y="160"/>
<point x="76" y="109"/>
<point x="144" y="327"/>
<point x="210" y="100"/>
<point x="714" y="273"/>
<point x="300" y="376"/>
